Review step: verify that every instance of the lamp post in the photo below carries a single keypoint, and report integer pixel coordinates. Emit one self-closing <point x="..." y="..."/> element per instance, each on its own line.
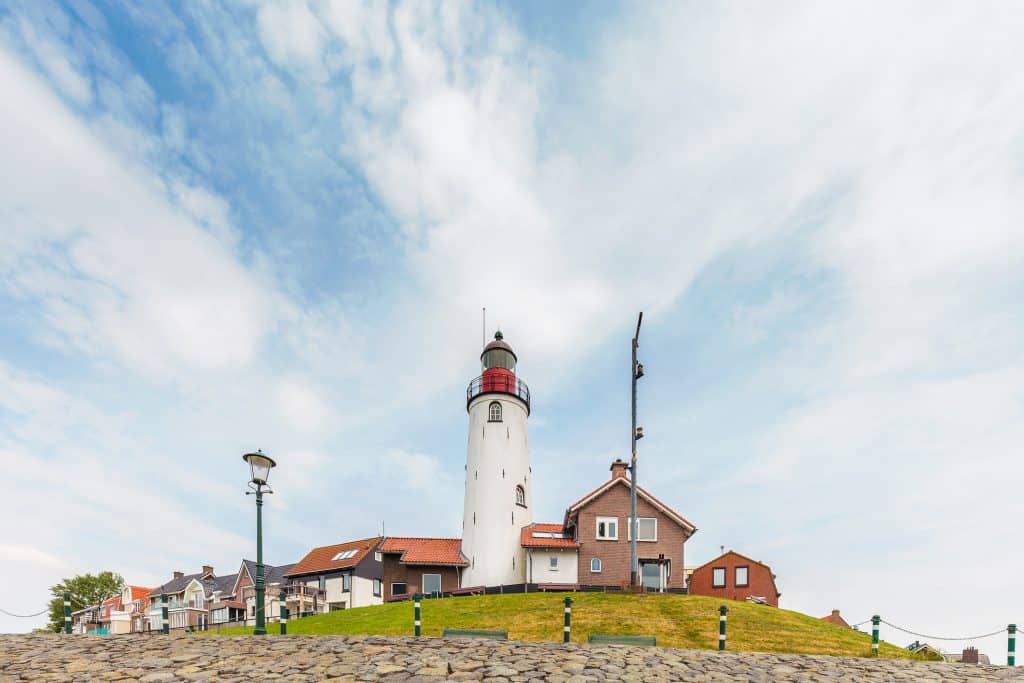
<point x="259" y="466"/>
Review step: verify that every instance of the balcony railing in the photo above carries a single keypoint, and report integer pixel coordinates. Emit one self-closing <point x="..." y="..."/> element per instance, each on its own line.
<point x="300" y="589"/>
<point x="498" y="383"/>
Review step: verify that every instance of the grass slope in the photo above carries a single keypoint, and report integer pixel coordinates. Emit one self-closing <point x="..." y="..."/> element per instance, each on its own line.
<point x="677" y="620"/>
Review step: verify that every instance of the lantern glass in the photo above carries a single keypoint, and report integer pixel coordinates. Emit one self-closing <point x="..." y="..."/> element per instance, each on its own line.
<point x="259" y="465"/>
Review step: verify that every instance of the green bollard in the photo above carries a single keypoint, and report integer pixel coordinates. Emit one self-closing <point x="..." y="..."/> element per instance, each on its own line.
<point x="416" y="614"/>
<point x="722" y="611"/>
<point x="284" y="614"/>
<point x="1011" y="645"/>
<point x="874" y="634"/>
<point x="568" y="620"/>
<point x="67" y="612"/>
<point x="163" y="611"/>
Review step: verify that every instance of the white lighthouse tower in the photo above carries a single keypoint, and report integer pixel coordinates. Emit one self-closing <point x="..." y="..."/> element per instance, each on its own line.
<point x="498" y="479"/>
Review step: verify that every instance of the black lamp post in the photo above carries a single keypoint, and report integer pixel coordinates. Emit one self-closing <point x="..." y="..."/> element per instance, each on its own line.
<point x="260" y="466"/>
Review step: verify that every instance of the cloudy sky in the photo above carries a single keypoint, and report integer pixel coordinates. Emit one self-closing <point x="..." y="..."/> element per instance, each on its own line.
<point x="274" y="225"/>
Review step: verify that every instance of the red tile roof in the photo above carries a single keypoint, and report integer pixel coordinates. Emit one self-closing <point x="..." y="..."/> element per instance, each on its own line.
<point x="322" y="559"/>
<point x="137" y="593"/>
<point x="446" y="551"/>
<point x="528" y="540"/>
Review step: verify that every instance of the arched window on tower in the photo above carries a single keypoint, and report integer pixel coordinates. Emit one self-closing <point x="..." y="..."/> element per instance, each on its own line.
<point x="520" y="496"/>
<point x="494" y="412"/>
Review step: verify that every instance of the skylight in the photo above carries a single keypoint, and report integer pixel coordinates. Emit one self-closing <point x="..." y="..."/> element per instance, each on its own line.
<point x="344" y="555"/>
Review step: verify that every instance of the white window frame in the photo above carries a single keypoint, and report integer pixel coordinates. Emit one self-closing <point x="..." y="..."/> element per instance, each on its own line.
<point x="520" y="495"/>
<point x="553" y="563"/>
<point x="399" y="583"/>
<point x="629" y="531"/>
<point x="736" y="576"/>
<point x="714" y="570"/>
<point x="491" y="412"/>
<point x="423" y="583"/>
<point x="606" y="521"/>
<point x="599" y="565"/>
<point x="378" y="588"/>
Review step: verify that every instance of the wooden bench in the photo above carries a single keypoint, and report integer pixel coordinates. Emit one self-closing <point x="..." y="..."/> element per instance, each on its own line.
<point x="474" y="633"/>
<point x="621" y="640"/>
<point x="470" y="590"/>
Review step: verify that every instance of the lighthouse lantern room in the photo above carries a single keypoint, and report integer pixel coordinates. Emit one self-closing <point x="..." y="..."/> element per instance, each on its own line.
<point x="498" y="479"/>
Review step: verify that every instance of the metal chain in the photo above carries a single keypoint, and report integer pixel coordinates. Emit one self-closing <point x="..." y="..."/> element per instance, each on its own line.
<point x="25" y="616"/>
<point x="921" y="635"/>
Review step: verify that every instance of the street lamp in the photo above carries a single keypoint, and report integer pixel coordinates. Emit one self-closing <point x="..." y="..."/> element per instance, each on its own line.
<point x="259" y="466"/>
<point x="637" y="371"/>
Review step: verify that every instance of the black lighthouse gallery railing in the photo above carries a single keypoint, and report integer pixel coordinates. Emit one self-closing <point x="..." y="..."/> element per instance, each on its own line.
<point x="498" y="383"/>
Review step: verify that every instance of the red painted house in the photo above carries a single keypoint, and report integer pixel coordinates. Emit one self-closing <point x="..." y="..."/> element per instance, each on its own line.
<point x="735" y="577"/>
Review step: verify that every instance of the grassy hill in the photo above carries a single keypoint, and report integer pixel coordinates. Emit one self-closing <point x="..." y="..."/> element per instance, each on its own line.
<point x="677" y="620"/>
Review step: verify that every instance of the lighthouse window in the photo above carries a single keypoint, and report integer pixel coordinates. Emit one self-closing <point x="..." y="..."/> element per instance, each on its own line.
<point x="494" y="412"/>
<point x="520" y="496"/>
<point x="499" y="358"/>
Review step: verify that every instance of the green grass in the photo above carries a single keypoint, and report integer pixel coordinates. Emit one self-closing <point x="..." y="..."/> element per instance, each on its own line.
<point x="681" y="621"/>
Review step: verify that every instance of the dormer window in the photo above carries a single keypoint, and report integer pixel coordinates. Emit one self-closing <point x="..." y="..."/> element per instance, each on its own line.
<point x="494" y="412"/>
<point x="520" y="496"/>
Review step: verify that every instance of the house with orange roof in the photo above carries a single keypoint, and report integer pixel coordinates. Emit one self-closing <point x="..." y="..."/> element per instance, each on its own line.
<point x="346" y="575"/>
<point x="129" y="615"/>
<point x="600" y="523"/>
<point x="552" y="555"/>
<point x="431" y="566"/>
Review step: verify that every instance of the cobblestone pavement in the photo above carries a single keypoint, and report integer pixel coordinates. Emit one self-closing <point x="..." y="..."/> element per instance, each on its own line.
<point x="155" y="658"/>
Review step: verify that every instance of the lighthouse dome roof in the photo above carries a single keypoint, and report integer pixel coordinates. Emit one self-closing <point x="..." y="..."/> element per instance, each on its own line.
<point x="499" y="343"/>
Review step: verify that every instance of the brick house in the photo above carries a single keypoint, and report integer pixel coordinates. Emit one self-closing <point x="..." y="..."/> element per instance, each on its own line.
<point x="421" y="565"/>
<point x="599" y="523"/>
<point x="835" y="618"/>
<point x="186" y="601"/>
<point x="735" y="577"/>
<point x="243" y="592"/>
<point x="346" y="574"/>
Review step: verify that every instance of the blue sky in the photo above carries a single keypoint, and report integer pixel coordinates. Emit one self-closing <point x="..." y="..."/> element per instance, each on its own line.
<point x="274" y="225"/>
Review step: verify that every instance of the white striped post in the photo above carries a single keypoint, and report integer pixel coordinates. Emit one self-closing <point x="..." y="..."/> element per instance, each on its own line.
<point x="1011" y="645"/>
<point x="568" y="620"/>
<point x="416" y="614"/>
<point x="67" y="612"/>
<point x="874" y="634"/>
<point x="722" y="612"/>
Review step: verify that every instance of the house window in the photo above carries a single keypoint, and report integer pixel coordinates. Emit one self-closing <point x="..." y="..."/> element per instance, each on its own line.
<point x="431" y="584"/>
<point x="742" y="576"/>
<point x="378" y="556"/>
<point x="608" y="528"/>
<point x="718" y="577"/>
<point x="520" y="496"/>
<point x="346" y="582"/>
<point x="595" y="565"/>
<point x="344" y="555"/>
<point x="323" y="583"/>
<point x="376" y="588"/>
<point x="494" y="412"/>
<point x="647" y="529"/>
<point x="553" y="564"/>
<point x="398" y="589"/>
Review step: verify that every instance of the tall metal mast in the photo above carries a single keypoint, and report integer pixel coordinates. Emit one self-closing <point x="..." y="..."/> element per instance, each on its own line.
<point x="636" y="371"/>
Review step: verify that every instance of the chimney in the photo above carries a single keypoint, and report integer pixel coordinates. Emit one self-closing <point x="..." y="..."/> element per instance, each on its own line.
<point x="970" y="655"/>
<point x="207" y="569"/>
<point x="835" y="613"/>
<point x="618" y="468"/>
<point x="178" y="575"/>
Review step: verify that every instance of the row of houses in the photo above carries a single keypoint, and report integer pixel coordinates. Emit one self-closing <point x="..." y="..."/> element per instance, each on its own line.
<point x="588" y="550"/>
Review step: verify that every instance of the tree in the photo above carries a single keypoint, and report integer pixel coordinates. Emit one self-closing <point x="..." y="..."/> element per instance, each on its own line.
<point x="85" y="590"/>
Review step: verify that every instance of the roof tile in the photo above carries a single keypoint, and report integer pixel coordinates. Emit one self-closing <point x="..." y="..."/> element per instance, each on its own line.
<point x="446" y="551"/>
<point x="322" y="559"/>
<point x="528" y="540"/>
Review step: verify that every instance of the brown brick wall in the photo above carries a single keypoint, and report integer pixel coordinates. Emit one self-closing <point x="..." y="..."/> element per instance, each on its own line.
<point x="412" y="575"/>
<point x="615" y="555"/>
<point x="759" y="577"/>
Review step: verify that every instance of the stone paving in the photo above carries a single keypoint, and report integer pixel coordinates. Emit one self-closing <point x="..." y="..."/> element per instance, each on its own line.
<point x="156" y="659"/>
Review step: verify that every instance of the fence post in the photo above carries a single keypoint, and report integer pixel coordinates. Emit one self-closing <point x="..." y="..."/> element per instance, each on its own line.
<point x="874" y="634"/>
<point x="568" y="620"/>
<point x="722" y="611"/>
<point x="67" y="612"/>
<point x="1011" y="645"/>
<point x="284" y="614"/>
<point x="416" y="613"/>
<point x="163" y="614"/>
